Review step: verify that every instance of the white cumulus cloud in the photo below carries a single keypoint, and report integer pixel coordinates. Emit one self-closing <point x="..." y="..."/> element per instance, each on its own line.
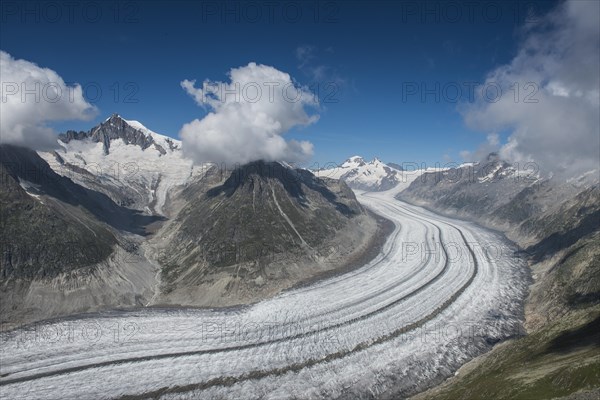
<point x="31" y="97"/>
<point x="554" y="118"/>
<point x="248" y="117"/>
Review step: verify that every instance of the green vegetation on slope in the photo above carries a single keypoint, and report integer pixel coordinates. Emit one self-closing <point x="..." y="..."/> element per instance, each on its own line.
<point x="559" y="359"/>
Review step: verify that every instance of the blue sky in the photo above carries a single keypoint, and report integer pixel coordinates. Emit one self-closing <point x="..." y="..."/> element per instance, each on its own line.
<point x="139" y="52"/>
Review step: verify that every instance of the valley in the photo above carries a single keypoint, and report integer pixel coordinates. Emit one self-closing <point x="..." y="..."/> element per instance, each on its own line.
<point x="397" y="316"/>
<point x="275" y="279"/>
<point x="305" y="200"/>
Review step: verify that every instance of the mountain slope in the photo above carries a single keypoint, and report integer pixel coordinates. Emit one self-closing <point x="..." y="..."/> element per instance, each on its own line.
<point x="475" y="190"/>
<point x="557" y="223"/>
<point x="41" y="239"/>
<point x="65" y="248"/>
<point x="263" y="228"/>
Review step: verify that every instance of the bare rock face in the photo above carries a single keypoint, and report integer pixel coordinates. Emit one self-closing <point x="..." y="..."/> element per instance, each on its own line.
<point x="39" y="237"/>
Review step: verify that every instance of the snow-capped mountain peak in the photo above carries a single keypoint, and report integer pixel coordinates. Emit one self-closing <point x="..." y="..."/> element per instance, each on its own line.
<point x="354" y="161"/>
<point x="132" y="132"/>
<point x="359" y="174"/>
<point x="139" y="164"/>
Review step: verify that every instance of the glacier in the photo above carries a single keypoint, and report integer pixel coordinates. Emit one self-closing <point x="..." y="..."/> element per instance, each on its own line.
<point x="441" y="292"/>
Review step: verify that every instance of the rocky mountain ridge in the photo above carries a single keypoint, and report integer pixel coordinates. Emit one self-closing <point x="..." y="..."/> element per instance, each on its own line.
<point x="131" y="132"/>
<point x="64" y="248"/>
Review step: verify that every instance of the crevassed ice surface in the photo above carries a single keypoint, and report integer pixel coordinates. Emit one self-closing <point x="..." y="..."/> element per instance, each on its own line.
<point x="441" y="292"/>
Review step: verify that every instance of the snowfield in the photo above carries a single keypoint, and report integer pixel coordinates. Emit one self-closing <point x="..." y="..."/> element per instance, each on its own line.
<point x="441" y="292"/>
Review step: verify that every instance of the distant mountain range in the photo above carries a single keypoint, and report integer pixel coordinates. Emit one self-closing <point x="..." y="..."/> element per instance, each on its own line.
<point x="495" y="192"/>
<point x="359" y="174"/>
